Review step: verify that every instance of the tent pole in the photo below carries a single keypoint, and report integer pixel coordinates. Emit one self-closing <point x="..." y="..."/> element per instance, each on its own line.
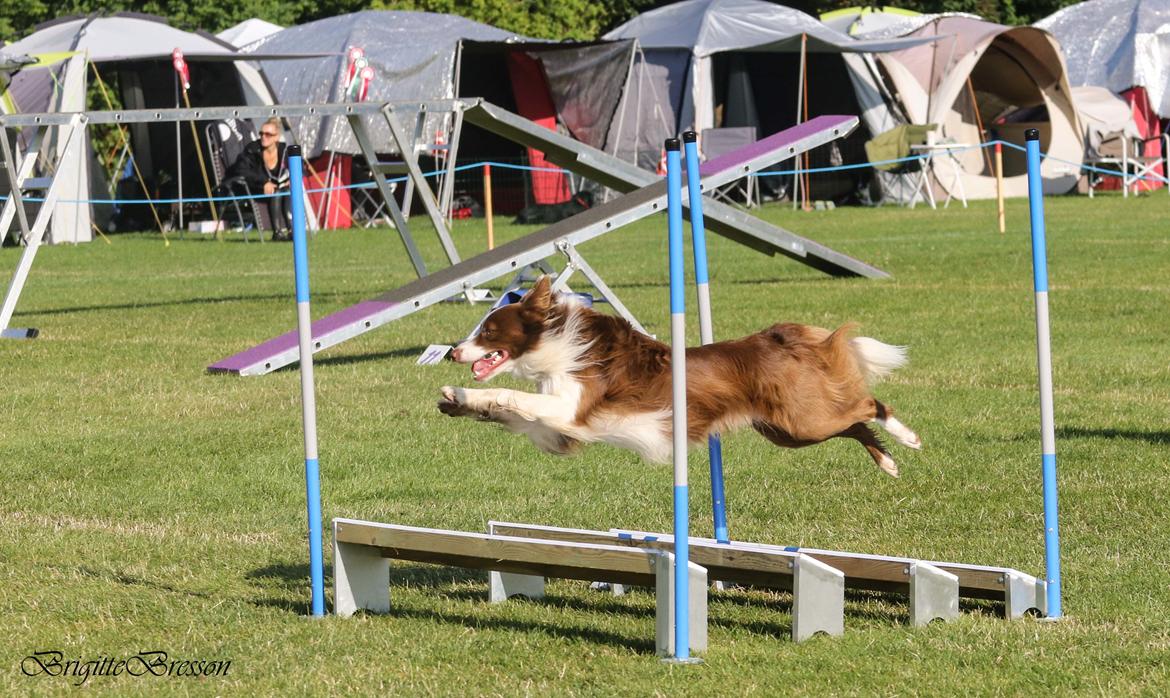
<point x="796" y="189"/>
<point x="804" y="92"/>
<point x="179" y="157"/>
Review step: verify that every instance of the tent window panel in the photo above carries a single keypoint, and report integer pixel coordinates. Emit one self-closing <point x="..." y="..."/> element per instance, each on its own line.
<point x="775" y="80"/>
<point x="151" y="85"/>
<point x="483" y="72"/>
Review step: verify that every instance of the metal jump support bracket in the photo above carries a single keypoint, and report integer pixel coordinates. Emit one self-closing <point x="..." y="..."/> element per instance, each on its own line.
<point x="19" y="177"/>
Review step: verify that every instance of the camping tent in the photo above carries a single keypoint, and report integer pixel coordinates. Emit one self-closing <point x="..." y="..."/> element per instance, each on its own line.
<point x="428" y="56"/>
<point x="1122" y="45"/>
<point x="981" y="81"/>
<point x="248" y="31"/>
<point x="132" y="51"/>
<point x="739" y="63"/>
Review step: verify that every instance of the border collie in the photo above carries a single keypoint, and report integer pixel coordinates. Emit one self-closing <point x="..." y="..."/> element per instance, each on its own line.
<point x="601" y="380"/>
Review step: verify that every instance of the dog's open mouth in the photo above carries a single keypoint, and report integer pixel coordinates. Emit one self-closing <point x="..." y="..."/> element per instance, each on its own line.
<point x="484" y="367"/>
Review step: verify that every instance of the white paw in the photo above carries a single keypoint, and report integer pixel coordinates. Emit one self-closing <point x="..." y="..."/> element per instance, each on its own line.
<point x="888" y="465"/>
<point x="448" y="393"/>
<point x="901" y="433"/>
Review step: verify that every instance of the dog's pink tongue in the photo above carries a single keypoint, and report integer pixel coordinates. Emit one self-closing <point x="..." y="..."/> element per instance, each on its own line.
<point x="480" y="367"/>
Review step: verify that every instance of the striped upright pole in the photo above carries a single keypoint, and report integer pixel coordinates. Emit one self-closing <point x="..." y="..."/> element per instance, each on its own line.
<point x="678" y="369"/>
<point x="1044" y="364"/>
<point x="706" y="329"/>
<point x="308" y="399"/>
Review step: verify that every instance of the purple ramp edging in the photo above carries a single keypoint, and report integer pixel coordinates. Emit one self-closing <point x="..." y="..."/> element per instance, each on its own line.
<point x="774" y="142"/>
<point x="278" y="345"/>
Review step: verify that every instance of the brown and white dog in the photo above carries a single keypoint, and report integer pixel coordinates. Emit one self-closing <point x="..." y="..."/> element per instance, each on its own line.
<point x="600" y="380"/>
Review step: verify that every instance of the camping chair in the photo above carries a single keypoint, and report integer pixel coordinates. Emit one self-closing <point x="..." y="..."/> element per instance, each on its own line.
<point x="901" y="180"/>
<point x="718" y="141"/>
<point x="1125" y="155"/>
<point x="225" y="141"/>
<point x="367" y="206"/>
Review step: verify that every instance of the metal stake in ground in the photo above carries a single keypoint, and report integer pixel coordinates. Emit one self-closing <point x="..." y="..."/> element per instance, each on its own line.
<point x="308" y="399"/>
<point x="1044" y="364"/>
<point x="706" y="328"/>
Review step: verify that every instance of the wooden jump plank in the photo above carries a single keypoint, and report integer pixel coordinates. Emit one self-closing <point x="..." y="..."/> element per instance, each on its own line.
<point x="768" y="568"/>
<point x="889" y="573"/>
<point x="517" y="565"/>
<point x="818" y="591"/>
<point x="563" y="560"/>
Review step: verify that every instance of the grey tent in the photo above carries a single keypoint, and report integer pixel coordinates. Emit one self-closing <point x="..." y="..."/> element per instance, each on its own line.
<point x="735" y="63"/>
<point x="426" y="56"/>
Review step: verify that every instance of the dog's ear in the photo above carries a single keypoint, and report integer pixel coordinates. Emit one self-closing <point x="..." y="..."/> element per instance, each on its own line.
<point x="536" y="303"/>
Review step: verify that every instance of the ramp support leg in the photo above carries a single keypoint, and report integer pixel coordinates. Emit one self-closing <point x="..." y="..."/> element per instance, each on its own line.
<point x="664" y="598"/>
<point x="1022" y="593"/>
<point x="934" y="593"/>
<point x="818" y="599"/>
<point x="505" y="585"/>
<point x="361" y="580"/>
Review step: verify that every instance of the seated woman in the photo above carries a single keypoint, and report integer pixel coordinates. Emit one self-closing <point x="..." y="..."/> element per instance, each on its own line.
<point x="263" y="165"/>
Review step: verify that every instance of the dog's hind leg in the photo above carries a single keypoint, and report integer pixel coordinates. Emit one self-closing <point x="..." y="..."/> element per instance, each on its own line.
<point x="884" y="416"/>
<point x="867" y="438"/>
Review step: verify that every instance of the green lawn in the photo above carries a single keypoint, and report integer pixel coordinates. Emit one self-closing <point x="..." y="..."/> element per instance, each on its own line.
<point x="147" y="505"/>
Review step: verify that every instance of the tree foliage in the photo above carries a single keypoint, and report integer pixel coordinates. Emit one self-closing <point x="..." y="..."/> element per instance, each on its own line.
<point x="550" y="19"/>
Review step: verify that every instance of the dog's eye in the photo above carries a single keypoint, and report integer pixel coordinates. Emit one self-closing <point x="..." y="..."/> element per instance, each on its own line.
<point x="487" y="332"/>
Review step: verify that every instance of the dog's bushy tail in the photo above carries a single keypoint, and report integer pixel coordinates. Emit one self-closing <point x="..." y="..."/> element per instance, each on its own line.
<point x="877" y="359"/>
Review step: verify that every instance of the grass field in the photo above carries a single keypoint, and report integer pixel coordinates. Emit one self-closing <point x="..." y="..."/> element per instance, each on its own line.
<point x="149" y="506"/>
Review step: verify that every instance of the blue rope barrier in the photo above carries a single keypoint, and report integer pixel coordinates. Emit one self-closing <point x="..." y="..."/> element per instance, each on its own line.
<point x="528" y="168"/>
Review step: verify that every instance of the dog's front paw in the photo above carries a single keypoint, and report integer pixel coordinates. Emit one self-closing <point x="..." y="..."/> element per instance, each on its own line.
<point x="454" y="404"/>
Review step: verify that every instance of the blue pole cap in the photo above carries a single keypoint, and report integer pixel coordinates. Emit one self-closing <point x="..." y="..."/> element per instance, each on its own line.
<point x="672" y="144"/>
<point x="294" y="151"/>
<point x="1031" y="134"/>
<point x="690" y="137"/>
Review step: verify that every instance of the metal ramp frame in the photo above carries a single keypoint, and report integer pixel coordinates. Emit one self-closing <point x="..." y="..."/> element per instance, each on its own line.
<point x="19" y="178"/>
<point x="562" y="237"/>
<point x="728" y="221"/>
<point x="74" y="124"/>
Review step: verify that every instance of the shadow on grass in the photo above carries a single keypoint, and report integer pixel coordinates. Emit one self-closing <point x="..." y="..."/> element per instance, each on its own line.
<point x="155" y="304"/>
<point x="556" y="630"/>
<point x="132" y="581"/>
<point x="405" y="352"/>
<point x="1161" y="438"/>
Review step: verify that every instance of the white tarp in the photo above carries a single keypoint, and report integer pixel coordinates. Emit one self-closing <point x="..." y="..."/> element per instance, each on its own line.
<point x="1117" y="44"/>
<point x="248" y="31"/>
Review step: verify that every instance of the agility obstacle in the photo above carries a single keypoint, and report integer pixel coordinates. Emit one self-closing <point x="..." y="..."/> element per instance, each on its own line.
<point x="518" y="567"/>
<point x="520" y="556"/>
<point x="562" y="238"/>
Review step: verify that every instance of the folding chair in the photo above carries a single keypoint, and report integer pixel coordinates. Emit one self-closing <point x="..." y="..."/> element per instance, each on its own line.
<point x="225" y="141"/>
<point x="1125" y="155"/>
<point x="716" y="142"/>
<point x="902" y="181"/>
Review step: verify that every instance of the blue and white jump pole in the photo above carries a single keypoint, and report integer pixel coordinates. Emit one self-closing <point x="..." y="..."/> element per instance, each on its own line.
<point x="678" y="369"/>
<point x="308" y="398"/>
<point x="1044" y="364"/>
<point x="706" y="329"/>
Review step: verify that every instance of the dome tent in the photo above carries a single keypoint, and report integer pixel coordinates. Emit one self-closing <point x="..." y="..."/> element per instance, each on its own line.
<point x="981" y="81"/>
